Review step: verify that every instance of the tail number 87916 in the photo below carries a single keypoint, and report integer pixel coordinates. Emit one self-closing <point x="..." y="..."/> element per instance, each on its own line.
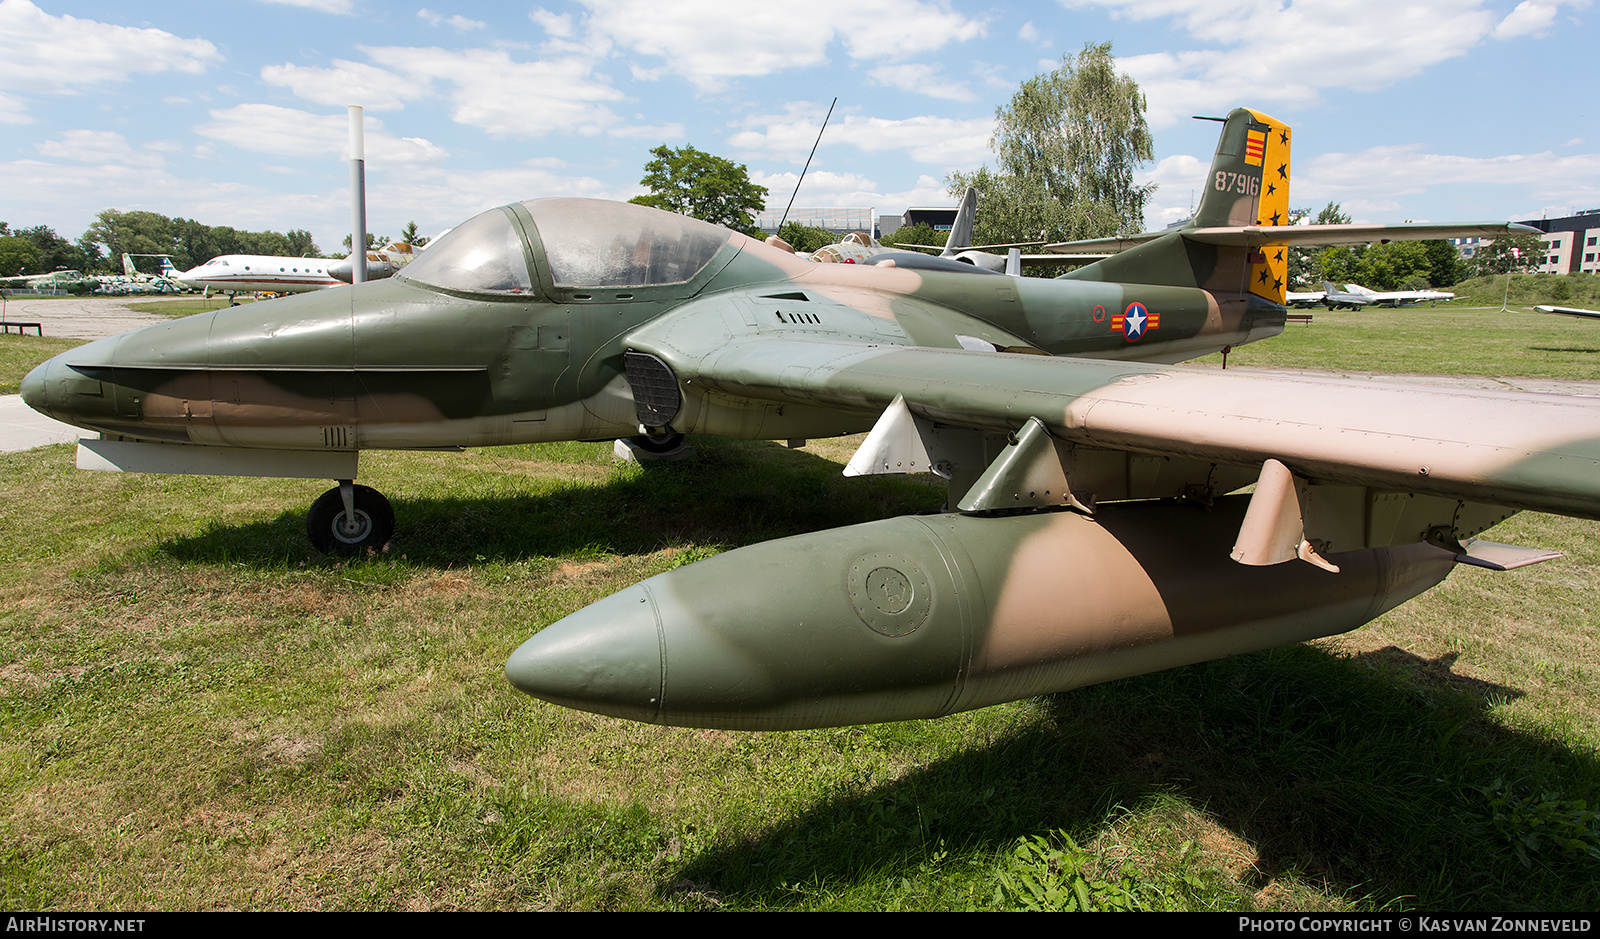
<point x="1242" y="183"/>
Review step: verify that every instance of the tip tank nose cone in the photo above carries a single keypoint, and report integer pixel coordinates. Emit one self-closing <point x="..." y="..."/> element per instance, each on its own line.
<point x="34" y="388"/>
<point x="605" y="658"/>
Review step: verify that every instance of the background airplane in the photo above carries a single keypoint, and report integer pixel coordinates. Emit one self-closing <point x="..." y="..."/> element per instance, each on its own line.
<point x="249" y="273"/>
<point x="1398" y="298"/>
<point x="1091" y="532"/>
<point x="958" y="247"/>
<point x="63" y="281"/>
<point x="381" y="262"/>
<point x="1355" y="296"/>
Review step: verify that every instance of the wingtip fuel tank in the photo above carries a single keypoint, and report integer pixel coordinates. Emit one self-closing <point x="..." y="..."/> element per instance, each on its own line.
<point x="919" y="617"/>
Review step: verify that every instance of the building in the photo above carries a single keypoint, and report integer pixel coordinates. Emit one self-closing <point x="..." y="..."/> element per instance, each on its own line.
<point x="839" y="221"/>
<point x="1572" y="244"/>
<point x="844" y="220"/>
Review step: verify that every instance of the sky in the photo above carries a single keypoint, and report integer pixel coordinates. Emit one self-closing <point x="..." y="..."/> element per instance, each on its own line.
<point x="235" y="114"/>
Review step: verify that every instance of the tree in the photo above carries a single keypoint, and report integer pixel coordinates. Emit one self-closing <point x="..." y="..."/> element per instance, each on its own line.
<point x="1445" y="266"/>
<point x="919" y="234"/>
<point x="805" y="239"/>
<point x="1066" y="148"/>
<point x="410" y="235"/>
<point x="1506" y="255"/>
<point x="697" y="184"/>
<point x="301" y="245"/>
<point x="373" y="242"/>
<point x="17" y="256"/>
<point x="137" y="233"/>
<point x="1305" y="269"/>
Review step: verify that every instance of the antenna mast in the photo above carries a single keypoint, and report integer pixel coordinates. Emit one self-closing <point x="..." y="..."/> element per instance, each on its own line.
<point x="785" y="216"/>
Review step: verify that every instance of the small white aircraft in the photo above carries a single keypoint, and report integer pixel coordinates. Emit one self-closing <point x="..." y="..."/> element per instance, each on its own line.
<point x="1396" y="298"/>
<point x="247" y="273"/>
<point x="1355" y="296"/>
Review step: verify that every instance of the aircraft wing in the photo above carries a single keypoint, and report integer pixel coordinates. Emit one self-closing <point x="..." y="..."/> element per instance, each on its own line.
<point x="1521" y="451"/>
<point x="1244" y="236"/>
<point x="1569" y="311"/>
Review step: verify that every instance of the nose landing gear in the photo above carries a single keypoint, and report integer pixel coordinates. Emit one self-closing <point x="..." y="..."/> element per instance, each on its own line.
<point x="350" y="519"/>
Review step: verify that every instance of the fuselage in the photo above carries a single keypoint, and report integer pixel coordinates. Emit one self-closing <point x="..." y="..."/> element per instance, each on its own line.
<point x="248" y="273"/>
<point x="514" y="330"/>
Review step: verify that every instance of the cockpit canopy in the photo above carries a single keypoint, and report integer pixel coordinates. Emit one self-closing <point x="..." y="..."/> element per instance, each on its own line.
<point x="586" y="243"/>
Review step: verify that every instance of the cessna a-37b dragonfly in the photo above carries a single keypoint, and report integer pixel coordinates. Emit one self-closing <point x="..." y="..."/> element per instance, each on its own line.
<point x="1090" y="535"/>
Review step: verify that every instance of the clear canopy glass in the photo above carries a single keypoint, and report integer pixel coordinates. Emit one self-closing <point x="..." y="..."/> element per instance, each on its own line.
<point x="592" y="243"/>
<point x="482" y="255"/>
<point x="587" y="243"/>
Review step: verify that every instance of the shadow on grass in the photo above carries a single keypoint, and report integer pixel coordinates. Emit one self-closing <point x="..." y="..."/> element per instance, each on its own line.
<point x="1584" y="349"/>
<point x="1374" y="778"/>
<point x="733" y="493"/>
<point x="1379" y="778"/>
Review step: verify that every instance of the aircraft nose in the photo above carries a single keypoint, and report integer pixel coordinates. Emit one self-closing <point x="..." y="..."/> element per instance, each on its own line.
<point x="607" y="658"/>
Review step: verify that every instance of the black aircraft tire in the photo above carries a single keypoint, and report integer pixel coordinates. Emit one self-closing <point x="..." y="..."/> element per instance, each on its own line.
<point x="325" y="522"/>
<point x="663" y="444"/>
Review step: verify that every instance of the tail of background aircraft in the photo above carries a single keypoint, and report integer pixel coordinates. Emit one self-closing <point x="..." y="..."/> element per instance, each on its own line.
<point x="167" y="270"/>
<point x="1248" y="185"/>
<point x="961" y="230"/>
<point x="127" y="265"/>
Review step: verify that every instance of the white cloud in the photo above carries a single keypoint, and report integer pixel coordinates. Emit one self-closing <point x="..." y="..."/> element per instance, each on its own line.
<point x="13" y="110"/>
<point x="268" y="128"/>
<point x="672" y="131"/>
<point x="1179" y="181"/>
<point x="321" y="6"/>
<point x="1403" y="170"/>
<point x="1530" y="17"/>
<point x="952" y="143"/>
<point x="709" y="43"/>
<point x="1276" y="53"/>
<point x="73" y="194"/>
<point x="457" y="22"/>
<point x="441" y="199"/>
<point x="98" y="146"/>
<point x="922" y="79"/>
<point x="44" y="54"/>
<point x="1385" y="183"/>
<point x="504" y="97"/>
<point x="560" y="27"/>
<point x="345" y="83"/>
<point x="849" y="189"/>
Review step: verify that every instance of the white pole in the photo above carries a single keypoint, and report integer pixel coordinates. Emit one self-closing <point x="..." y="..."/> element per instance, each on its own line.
<point x="358" y="199"/>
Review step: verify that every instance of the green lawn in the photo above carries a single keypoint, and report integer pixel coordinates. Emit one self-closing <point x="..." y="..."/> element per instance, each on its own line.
<point x="1444" y="339"/>
<point x="197" y="712"/>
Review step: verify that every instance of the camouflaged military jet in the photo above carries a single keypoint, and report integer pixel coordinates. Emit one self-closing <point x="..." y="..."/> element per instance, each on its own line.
<point x="1091" y="534"/>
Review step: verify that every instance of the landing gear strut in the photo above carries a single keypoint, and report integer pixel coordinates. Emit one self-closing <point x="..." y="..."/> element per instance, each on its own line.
<point x="350" y="519"/>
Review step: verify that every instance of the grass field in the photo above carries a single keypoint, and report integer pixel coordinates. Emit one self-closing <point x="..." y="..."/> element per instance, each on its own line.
<point x="198" y="712"/>
<point x="183" y="306"/>
<point x="19" y="354"/>
<point x="1447" y="339"/>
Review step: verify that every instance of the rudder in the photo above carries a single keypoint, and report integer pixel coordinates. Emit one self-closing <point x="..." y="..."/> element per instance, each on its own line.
<point x="1249" y="185"/>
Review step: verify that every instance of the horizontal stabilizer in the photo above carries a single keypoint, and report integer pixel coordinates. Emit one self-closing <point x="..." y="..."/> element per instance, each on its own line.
<point x="1243" y="236"/>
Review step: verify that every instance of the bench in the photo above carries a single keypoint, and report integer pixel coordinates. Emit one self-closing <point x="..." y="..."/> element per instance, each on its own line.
<point x="1298" y="318"/>
<point x="21" y="328"/>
